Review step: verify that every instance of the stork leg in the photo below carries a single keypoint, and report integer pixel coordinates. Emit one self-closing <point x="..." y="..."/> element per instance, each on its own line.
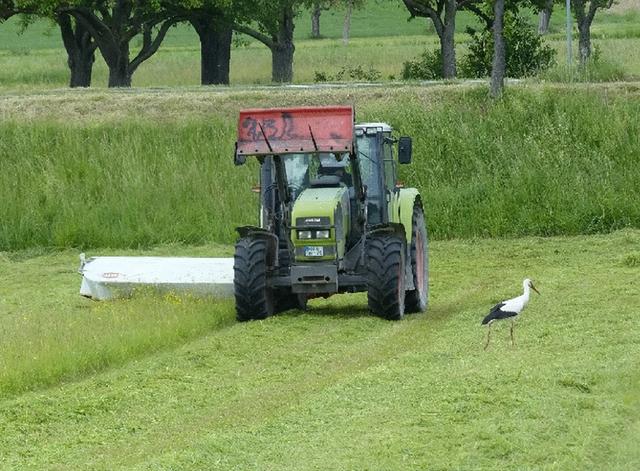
<point x="513" y="340"/>
<point x="488" y="336"/>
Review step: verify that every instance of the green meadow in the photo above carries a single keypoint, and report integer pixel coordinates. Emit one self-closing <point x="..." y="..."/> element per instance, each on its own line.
<point x="175" y="383"/>
<point x="542" y="184"/>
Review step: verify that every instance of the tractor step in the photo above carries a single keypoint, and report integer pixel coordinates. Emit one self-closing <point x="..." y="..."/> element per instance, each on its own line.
<point x="116" y="277"/>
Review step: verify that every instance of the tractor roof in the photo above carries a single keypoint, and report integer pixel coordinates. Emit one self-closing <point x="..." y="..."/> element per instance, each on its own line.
<point x="384" y="126"/>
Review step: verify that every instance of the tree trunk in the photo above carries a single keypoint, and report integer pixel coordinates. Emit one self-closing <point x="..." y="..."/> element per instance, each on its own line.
<point x="80" y="51"/>
<point x="113" y="28"/>
<point x="346" y="26"/>
<point x="315" y="20"/>
<point x="282" y="49"/>
<point x="447" y="41"/>
<point x="282" y="63"/>
<point x="215" y="51"/>
<point x="584" y="41"/>
<point x="544" y="17"/>
<point x="81" y="67"/>
<point x="119" y="74"/>
<point x="498" y="67"/>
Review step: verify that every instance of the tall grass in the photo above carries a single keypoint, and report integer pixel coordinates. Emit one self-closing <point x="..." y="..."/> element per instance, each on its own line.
<point x="119" y="185"/>
<point x="541" y="162"/>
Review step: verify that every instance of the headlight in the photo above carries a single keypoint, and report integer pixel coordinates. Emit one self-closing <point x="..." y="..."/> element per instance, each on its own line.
<point x="322" y="234"/>
<point x="304" y="234"/>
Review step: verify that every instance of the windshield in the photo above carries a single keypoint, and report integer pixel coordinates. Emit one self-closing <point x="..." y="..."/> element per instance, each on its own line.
<point x="367" y="160"/>
<point x="306" y="170"/>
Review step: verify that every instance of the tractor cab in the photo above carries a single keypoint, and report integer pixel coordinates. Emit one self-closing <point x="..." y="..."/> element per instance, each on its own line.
<point x="331" y="215"/>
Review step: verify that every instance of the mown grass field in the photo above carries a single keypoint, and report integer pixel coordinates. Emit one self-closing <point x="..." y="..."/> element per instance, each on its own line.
<point x="332" y="388"/>
<point x="171" y="382"/>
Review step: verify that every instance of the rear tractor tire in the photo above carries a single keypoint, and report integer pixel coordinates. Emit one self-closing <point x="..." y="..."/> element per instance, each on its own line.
<point x="417" y="299"/>
<point x="385" y="275"/>
<point x="254" y="299"/>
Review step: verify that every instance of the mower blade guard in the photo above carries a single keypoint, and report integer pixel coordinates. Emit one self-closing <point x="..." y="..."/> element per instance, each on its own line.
<point x="116" y="277"/>
<point x="295" y="130"/>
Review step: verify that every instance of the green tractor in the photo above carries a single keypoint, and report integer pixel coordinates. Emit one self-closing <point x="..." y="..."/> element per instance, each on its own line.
<point x="333" y="218"/>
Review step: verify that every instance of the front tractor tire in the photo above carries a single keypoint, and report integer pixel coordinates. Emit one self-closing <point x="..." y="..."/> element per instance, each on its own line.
<point x="417" y="299"/>
<point x="254" y="299"/>
<point x="385" y="275"/>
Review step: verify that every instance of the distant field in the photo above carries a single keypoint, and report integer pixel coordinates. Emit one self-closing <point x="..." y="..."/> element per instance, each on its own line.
<point x="382" y="40"/>
<point x="172" y="383"/>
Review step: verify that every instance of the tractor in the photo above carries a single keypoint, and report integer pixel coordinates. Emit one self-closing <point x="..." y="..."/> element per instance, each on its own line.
<point x="332" y="219"/>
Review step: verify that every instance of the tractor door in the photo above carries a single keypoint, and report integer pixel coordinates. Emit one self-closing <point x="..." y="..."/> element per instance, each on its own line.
<point x="390" y="171"/>
<point x="372" y="160"/>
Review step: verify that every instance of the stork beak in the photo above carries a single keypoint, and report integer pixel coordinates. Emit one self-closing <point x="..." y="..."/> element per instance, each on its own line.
<point x="534" y="288"/>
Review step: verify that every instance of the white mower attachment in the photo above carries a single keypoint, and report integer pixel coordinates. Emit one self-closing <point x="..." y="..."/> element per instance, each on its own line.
<point x="117" y="277"/>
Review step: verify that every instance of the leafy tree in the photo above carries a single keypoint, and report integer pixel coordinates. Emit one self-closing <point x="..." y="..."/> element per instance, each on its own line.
<point x="317" y="7"/>
<point x="77" y="41"/>
<point x="7" y="9"/>
<point x="585" y="11"/>
<point x="271" y="23"/>
<point x="113" y="24"/>
<point x="526" y="54"/>
<point x="443" y="15"/>
<point x="428" y="66"/>
<point x="499" y="62"/>
<point x="80" y="47"/>
<point x="213" y="22"/>
<point x="544" y="17"/>
<point x="349" y="5"/>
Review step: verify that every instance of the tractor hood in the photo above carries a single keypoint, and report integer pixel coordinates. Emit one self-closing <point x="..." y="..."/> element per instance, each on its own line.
<point x="320" y="221"/>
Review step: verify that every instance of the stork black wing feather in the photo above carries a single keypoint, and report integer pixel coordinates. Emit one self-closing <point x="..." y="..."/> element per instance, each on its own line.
<point x="496" y="307"/>
<point x="497" y="314"/>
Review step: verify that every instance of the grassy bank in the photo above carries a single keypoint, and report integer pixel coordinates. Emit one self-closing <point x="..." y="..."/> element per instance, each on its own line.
<point x="335" y="388"/>
<point x="130" y="169"/>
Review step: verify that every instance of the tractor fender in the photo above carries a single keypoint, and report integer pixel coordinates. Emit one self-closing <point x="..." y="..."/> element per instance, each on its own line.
<point x="398" y="230"/>
<point x="402" y="209"/>
<point x="261" y="233"/>
<point x="387" y="228"/>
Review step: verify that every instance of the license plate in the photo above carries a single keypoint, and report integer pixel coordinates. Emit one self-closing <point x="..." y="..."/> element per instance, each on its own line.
<point x="313" y="251"/>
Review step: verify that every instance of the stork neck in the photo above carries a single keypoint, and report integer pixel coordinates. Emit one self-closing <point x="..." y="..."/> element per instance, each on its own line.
<point x="527" y="292"/>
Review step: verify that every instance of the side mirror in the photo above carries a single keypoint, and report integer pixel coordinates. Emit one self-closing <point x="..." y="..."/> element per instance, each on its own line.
<point x="404" y="150"/>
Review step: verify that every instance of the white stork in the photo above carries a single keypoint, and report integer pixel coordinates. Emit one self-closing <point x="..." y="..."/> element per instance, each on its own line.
<point x="509" y="309"/>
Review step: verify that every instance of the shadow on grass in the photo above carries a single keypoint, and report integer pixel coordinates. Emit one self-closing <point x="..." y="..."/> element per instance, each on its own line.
<point x="440" y="312"/>
<point x="335" y="311"/>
